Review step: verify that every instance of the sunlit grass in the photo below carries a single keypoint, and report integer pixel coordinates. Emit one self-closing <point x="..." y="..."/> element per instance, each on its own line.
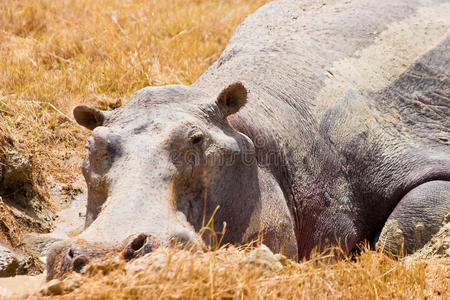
<point x="170" y="274"/>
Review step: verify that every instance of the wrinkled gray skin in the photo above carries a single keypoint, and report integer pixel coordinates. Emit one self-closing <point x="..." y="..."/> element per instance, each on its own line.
<point x="319" y="125"/>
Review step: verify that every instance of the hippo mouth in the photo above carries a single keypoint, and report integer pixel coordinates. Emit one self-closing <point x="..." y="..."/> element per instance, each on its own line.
<point x="65" y="256"/>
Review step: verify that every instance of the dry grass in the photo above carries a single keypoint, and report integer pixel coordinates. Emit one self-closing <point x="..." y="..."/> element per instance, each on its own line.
<point x="169" y="274"/>
<point x="56" y="54"/>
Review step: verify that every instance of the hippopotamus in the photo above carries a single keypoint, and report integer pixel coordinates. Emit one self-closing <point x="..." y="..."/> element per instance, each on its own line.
<point x="321" y="124"/>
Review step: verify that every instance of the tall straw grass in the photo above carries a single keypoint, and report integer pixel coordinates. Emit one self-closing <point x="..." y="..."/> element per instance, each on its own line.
<point x="223" y="274"/>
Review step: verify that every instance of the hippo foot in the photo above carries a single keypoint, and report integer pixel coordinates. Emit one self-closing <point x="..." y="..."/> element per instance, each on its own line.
<point x="138" y="245"/>
<point x="415" y="219"/>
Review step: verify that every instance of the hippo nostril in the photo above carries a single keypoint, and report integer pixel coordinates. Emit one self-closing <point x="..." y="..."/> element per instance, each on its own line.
<point x="79" y="262"/>
<point x="75" y="250"/>
<point x="140" y="245"/>
<point x="138" y="242"/>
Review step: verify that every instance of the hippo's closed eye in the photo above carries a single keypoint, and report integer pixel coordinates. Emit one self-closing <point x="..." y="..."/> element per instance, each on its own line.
<point x="196" y="137"/>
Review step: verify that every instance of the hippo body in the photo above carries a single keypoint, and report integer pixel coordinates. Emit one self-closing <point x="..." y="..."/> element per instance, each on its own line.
<point x="320" y="124"/>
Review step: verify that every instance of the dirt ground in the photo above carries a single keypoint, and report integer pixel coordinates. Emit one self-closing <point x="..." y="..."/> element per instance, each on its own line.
<point x="57" y="54"/>
<point x="19" y="286"/>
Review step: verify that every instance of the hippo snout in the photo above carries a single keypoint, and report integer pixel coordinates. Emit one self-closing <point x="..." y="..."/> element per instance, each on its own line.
<point x="73" y="256"/>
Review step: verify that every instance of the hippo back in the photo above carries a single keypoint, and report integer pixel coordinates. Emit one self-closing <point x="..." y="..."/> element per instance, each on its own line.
<point x="353" y="98"/>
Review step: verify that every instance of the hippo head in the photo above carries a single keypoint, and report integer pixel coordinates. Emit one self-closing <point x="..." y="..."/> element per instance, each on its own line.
<point x="159" y="170"/>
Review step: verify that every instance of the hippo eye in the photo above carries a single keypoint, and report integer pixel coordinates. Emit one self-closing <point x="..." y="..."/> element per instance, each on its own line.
<point x="197" y="140"/>
<point x="196" y="137"/>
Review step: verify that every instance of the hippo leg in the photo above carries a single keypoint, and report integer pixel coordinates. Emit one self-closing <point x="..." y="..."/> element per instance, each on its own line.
<point x="415" y="219"/>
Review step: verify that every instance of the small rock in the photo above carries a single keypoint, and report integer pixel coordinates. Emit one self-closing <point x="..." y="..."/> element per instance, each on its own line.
<point x="54" y="287"/>
<point x="17" y="172"/>
<point x="263" y="257"/>
<point x="13" y="263"/>
<point x="8" y="263"/>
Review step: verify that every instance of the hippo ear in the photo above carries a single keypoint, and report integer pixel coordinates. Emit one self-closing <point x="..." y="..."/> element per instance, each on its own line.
<point x="232" y="98"/>
<point x="88" y="117"/>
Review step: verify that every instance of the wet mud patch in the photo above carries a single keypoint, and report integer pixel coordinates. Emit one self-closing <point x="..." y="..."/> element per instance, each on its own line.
<point x="24" y="208"/>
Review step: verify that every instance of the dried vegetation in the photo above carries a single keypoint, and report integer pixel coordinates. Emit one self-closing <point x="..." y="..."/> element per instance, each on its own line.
<point x="227" y="273"/>
<point x="56" y="54"/>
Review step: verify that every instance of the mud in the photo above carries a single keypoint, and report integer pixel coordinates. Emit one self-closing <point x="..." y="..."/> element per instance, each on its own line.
<point x="24" y="208"/>
<point x="16" y="262"/>
<point x="69" y="221"/>
<point x="24" y="204"/>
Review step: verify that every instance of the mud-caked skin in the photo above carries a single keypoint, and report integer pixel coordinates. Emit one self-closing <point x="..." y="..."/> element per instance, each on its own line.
<point x="322" y="123"/>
